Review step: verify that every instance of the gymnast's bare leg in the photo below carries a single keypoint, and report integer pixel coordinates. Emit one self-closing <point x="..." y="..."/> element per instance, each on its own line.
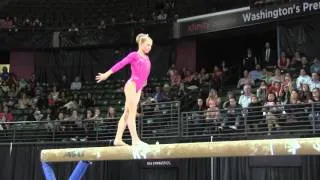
<point x="122" y="124"/>
<point x="132" y="101"/>
<point x="129" y="116"/>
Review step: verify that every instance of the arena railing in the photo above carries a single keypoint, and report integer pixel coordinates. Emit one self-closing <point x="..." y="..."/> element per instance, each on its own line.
<point x="103" y="129"/>
<point x="293" y="119"/>
<point x="156" y="120"/>
<point x="164" y="120"/>
<point x="160" y="120"/>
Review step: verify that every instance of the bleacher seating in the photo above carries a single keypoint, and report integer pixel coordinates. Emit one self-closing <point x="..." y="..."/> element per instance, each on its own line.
<point x="61" y="13"/>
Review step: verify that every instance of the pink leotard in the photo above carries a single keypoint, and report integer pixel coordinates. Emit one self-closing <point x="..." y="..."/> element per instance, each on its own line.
<point x="140" y="68"/>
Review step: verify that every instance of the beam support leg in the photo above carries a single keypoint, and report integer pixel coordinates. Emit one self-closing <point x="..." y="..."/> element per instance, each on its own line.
<point x="79" y="170"/>
<point x="48" y="171"/>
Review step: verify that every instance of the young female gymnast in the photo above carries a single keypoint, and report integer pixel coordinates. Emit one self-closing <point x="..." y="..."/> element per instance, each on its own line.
<point x="140" y="70"/>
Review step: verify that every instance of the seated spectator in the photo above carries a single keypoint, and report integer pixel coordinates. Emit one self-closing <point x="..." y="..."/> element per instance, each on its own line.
<point x="145" y="99"/>
<point x="294" y="66"/>
<point x="314" y="82"/>
<point x="203" y="75"/>
<point x="172" y="70"/>
<point x="73" y="103"/>
<point x="64" y="83"/>
<point x="159" y="95"/>
<point x="213" y="98"/>
<point x="262" y="91"/>
<point x="256" y="74"/>
<point x="200" y="106"/>
<point x="167" y="93"/>
<point x="79" y="127"/>
<point x="32" y="81"/>
<point x="272" y="112"/>
<point x="305" y="64"/>
<point x="23" y="84"/>
<point x="254" y="115"/>
<point x="215" y="82"/>
<point x="188" y="77"/>
<point x="297" y="57"/>
<point x="65" y="125"/>
<point x="197" y="120"/>
<point x="50" y="125"/>
<point x="88" y="118"/>
<point x="314" y="115"/>
<point x="283" y="61"/>
<point x="245" y="98"/>
<point x="5" y="74"/>
<point x="275" y="88"/>
<point x="51" y="101"/>
<point x="277" y="76"/>
<point x="55" y="93"/>
<point x="37" y="114"/>
<point x="176" y="79"/>
<point x="5" y="116"/>
<point x="23" y="101"/>
<point x="315" y="67"/>
<point x="38" y="90"/>
<point x="233" y="115"/>
<point x="266" y="76"/>
<point x="76" y="119"/>
<point x="98" y="120"/>
<point x="305" y="94"/>
<point x="14" y="91"/>
<point x="315" y="98"/>
<point x="304" y="78"/>
<point x="76" y="85"/>
<point x="111" y="114"/>
<point x="230" y="95"/>
<point x="284" y="95"/>
<point x="195" y="83"/>
<point x="217" y="72"/>
<point x="288" y="81"/>
<point x="5" y="88"/>
<point x="295" y="111"/>
<point x="89" y="125"/>
<point x="212" y="119"/>
<point x="246" y="80"/>
<point x="62" y="99"/>
<point x="162" y="16"/>
<point x="12" y="79"/>
<point x="58" y="120"/>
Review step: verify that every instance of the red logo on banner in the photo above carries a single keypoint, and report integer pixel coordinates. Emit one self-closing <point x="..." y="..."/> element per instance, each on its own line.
<point x="203" y="26"/>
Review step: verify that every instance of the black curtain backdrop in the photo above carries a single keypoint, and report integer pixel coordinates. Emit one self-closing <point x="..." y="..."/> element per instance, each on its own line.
<point x="231" y="45"/>
<point x="301" y="35"/>
<point x="22" y="163"/>
<point x="86" y="63"/>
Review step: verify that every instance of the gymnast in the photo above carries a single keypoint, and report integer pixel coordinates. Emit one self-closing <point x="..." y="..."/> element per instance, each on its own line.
<point x="140" y="70"/>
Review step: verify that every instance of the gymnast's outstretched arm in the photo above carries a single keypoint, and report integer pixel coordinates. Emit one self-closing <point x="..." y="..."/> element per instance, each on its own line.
<point x="118" y="66"/>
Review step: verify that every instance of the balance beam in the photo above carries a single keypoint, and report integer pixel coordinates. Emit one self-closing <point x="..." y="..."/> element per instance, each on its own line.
<point x="270" y="147"/>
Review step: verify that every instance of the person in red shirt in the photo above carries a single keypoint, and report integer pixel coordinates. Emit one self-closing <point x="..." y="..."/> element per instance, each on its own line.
<point x="275" y="88"/>
<point x="283" y="61"/>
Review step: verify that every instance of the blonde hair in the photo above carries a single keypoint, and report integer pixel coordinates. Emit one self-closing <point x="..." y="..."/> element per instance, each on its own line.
<point x="141" y="38"/>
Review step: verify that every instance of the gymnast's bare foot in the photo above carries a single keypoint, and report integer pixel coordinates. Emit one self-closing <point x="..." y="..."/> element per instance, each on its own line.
<point x="119" y="143"/>
<point x="138" y="142"/>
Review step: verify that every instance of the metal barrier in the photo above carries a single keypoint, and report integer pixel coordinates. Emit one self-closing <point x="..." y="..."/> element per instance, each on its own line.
<point x="164" y="120"/>
<point x="290" y="119"/>
<point x="160" y="120"/>
<point x="48" y="131"/>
